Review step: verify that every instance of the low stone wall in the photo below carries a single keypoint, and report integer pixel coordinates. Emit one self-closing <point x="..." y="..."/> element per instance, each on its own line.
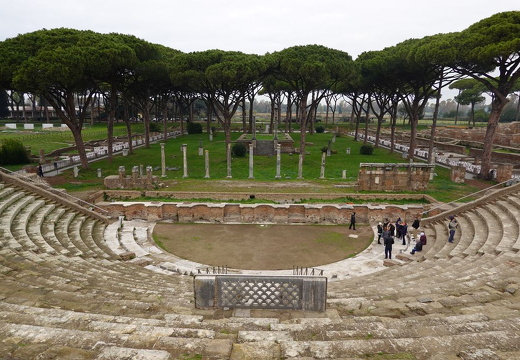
<point x="259" y="213"/>
<point x="394" y="177"/>
<point x="497" y="157"/>
<point x="125" y="195"/>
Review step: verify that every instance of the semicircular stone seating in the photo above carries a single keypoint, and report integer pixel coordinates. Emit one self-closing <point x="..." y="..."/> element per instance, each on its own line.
<point x="67" y="293"/>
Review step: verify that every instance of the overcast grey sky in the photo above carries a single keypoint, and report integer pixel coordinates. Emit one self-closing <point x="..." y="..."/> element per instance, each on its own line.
<point x="256" y="26"/>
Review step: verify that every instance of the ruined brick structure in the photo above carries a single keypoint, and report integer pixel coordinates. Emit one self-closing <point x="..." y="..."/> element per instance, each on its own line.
<point x="394" y="177"/>
<point x="136" y="181"/>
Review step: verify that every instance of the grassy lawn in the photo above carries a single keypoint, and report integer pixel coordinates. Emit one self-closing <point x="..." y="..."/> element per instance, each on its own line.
<point x="264" y="180"/>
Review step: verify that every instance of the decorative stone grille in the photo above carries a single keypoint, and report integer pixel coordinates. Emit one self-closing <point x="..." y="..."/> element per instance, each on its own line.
<point x="261" y="292"/>
<point x="267" y="293"/>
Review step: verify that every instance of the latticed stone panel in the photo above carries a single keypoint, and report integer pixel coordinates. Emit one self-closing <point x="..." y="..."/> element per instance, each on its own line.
<point x="260" y="292"/>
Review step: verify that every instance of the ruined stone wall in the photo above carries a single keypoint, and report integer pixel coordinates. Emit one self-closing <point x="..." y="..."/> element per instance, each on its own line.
<point x="394" y="177"/>
<point x="497" y="157"/>
<point x="260" y="213"/>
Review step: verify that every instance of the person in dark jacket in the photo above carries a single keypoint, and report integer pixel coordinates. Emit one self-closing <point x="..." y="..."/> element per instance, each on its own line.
<point x="415" y="225"/>
<point x="388" y="240"/>
<point x="352" y="221"/>
<point x="379" y="232"/>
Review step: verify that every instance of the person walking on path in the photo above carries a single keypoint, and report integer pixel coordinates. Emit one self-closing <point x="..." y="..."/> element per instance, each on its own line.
<point x="352" y="221"/>
<point x="388" y="240"/>
<point x="452" y="226"/>
<point x="40" y="170"/>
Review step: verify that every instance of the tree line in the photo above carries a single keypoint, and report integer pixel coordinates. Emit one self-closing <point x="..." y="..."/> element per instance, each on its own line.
<point x="64" y="65"/>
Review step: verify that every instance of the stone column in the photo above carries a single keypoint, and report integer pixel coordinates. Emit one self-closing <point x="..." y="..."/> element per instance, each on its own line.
<point x="185" y="160"/>
<point x="228" y="159"/>
<point x="163" y="161"/>
<point x="278" y="160"/>
<point x="251" y="176"/>
<point x="322" y="171"/>
<point x="42" y="156"/>
<point x="122" y="174"/>
<point x="148" y="181"/>
<point x="344" y="174"/>
<point x="201" y="149"/>
<point x="206" y="163"/>
<point x="141" y="169"/>
<point x="300" y="167"/>
<point x="210" y="135"/>
<point x="135" y="175"/>
<point x="99" y="173"/>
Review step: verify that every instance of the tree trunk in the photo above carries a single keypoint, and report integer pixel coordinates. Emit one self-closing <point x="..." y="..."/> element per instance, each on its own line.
<point x="457" y="111"/>
<point x="244" y="116"/>
<point x="165" y="118"/>
<point x="393" y="123"/>
<point x="110" y="124"/>
<point x="303" y="126"/>
<point x="146" y="116"/>
<point x="431" y="158"/>
<point x="497" y="105"/>
<point x="126" y="118"/>
<point x="251" y="114"/>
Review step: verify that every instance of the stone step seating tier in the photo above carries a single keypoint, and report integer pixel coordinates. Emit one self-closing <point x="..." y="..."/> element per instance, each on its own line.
<point x="65" y="293"/>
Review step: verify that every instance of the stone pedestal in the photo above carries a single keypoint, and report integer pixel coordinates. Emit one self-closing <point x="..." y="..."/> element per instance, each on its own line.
<point x="344" y="174"/>
<point x="122" y="173"/>
<point x="99" y="173"/>
<point x="504" y="172"/>
<point x="458" y="174"/>
<point x="322" y="171"/>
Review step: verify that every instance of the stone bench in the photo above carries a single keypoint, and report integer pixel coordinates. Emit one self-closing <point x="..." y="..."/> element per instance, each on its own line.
<point x="260" y="292"/>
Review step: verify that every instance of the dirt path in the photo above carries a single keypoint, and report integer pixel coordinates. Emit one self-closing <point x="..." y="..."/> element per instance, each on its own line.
<point x="255" y="247"/>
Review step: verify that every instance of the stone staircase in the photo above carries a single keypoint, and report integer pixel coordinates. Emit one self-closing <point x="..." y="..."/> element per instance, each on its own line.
<point x="66" y="293"/>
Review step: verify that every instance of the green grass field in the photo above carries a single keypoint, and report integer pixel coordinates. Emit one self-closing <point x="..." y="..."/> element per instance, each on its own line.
<point x="440" y="188"/>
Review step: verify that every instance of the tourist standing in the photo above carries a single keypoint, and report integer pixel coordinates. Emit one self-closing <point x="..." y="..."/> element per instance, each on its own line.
<point x="415" y="225"/>
<point x="388" y="240"/>
<point x="452" y="226"/>
<point x="379" y="232"/>
<point x="352" y="221"/>
<point x="404" y="231"/>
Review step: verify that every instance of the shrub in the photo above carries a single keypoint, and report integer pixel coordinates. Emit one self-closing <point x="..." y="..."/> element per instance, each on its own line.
<point x="194" y="128"/>
<point x="366" y="149"/>
<point x="320" y="129"/>
<point x="12" y="152"/>
<point x="155" y="127"/>
<point x="238" y="150"/>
